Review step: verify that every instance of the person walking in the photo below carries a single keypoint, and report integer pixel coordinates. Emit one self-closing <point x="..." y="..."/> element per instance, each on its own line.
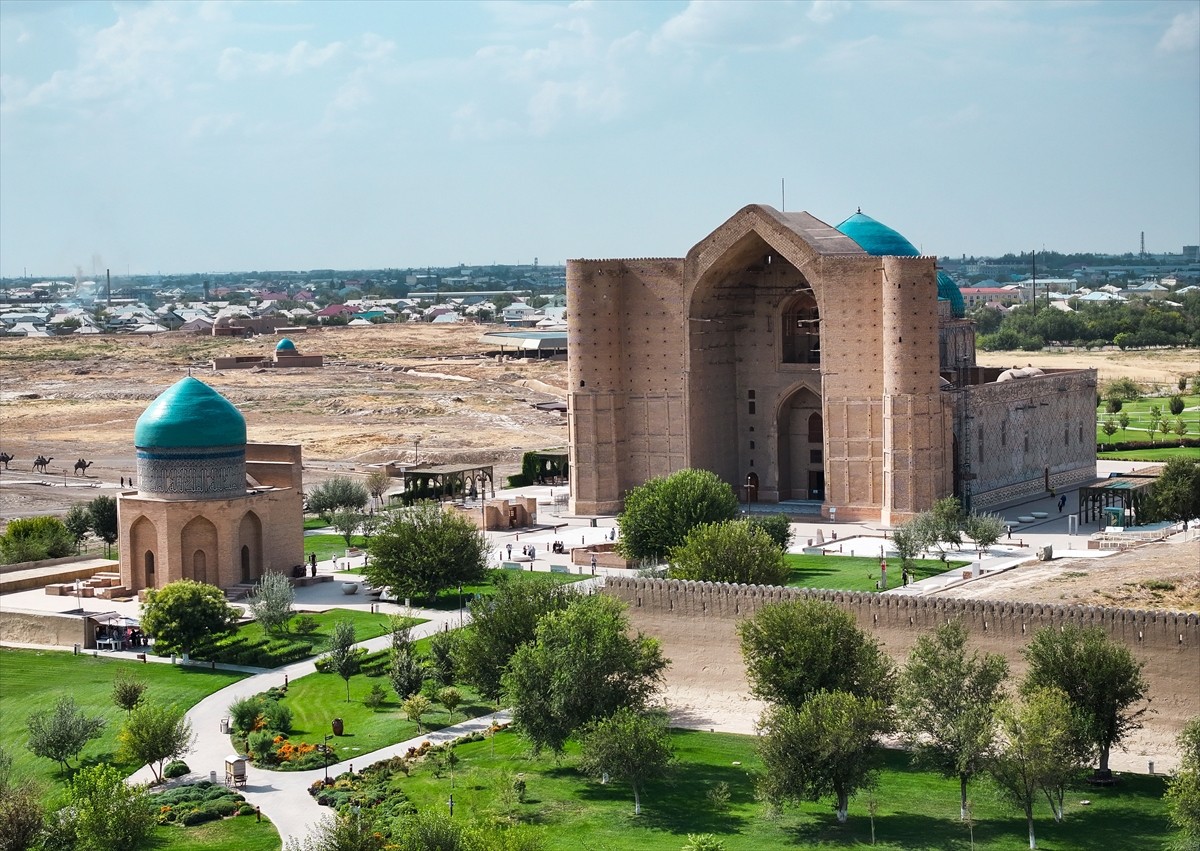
<point x="593" y="564"/>
<point x="510" y="552"/>
<point x="1062" y="500"/>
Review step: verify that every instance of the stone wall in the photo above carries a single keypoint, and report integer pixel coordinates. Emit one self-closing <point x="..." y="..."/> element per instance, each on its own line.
<point x="50" y="628"/>
<point x="702" y="618"/>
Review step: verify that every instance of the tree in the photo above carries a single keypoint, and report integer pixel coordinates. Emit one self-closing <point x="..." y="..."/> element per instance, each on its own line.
<point x="1123" y="388"/>
<point x="1156" y="423"/>
<point x="337" y="493"/>
<point x="1176" y="405"/>
<point x="106" y="812"/>
<point x="984" y="530"/>
<point x="378" y="482"/>
<point x="103" y="511"/>
<point x="1183" y="790"/>
<point x="1100" y="678"/>
<point x="581" y="666"/>
<point x="183" y="613"/>
<point x="78" y="522"/>
<point x="1112" y="406"/>
<point x="946" y="704"/>
<point x="424" y="549"/>
<point x="1123" y="419"/>
<point x="343" y="657"/>
<point x="908" y="539"/>
<point x="271" y="602"/>
<point x="777" y="526"/>
<point x="659" y="514"/>
<point x="797" y="648"/>
<point x="441" y="657"/>
<point x="1181" y="429"/>
<point x="414" y="708"/>
<point x="829" y="746"/>
<point x="406" y="671"/>
<point x="1176" y="493"/>
<point x="1039" y="748"/>
<point x="731" y="551"/>
<point x="21" y="814"/>
<point x="451" y="698"/>
<point x="154" y="733"/>
<point x="127" y="691"/>
<point x="34" y="538"/>
<point x="629" y="746"/>
<point x="502" y="623"/>
<point x="62" y="733"/>
<point x="347" y="523"/>
<point x="1109" y="426"/>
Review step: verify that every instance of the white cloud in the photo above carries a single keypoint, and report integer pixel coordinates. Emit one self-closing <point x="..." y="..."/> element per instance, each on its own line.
<point x="236" y="62"/>
<point x="1183" y="34"/>
<point x="736" y="25"/>
<point x="824" y="11"/>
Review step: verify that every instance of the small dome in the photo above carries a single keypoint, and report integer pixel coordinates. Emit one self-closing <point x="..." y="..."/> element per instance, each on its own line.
<point x="286" y="346"/>
<point x="879" y="240"/>
<point x="189" y="413"/>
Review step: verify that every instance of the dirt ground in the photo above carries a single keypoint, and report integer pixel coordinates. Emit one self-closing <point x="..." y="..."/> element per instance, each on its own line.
<point x="383" y="388"/>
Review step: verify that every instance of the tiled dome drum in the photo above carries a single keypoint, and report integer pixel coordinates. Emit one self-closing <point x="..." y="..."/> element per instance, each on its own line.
<point x="191" y="444"/>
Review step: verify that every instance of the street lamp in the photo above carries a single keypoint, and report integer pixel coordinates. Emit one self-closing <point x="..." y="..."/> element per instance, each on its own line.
<point x="460" y="607"/>
<point x="327" y="738"/>
<point x="416" y="449"/>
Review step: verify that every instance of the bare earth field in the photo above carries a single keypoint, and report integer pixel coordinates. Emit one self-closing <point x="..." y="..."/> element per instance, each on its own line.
<point x="382" y="388"/>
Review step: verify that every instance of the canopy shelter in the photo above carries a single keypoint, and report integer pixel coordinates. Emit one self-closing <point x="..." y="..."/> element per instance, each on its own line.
<point x="548" y="467"/>
<point x="452" y="481"/>
<point x="1116" y="501"/>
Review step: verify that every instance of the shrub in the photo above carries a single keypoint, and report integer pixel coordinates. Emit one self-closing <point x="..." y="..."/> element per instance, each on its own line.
<point x="244" y="713"/>
<point x="194" y="817"/>
<point x="304" y="624"/>
<point x="177" y="768"/>
<point x="261" y="744"/>
<point x="375" y="697"/>
<point x="225" y="807"/>
<point x="246" y="810"/>
<point x="277" y="716"/>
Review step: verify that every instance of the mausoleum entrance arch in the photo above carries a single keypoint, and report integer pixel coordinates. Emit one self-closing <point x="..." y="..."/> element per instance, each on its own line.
<point x="800" y="444"/>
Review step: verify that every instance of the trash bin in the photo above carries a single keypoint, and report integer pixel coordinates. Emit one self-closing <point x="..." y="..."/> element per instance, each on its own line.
<point x="212" y="777"/>
<point x="225" y="726"/>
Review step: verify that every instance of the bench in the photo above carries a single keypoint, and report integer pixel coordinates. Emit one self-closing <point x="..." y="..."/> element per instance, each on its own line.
<point x="510" y="565"/>
<point x="559" y="568"/>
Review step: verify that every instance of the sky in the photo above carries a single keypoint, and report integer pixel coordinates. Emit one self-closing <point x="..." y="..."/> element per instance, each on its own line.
<point x="174" y="137"/>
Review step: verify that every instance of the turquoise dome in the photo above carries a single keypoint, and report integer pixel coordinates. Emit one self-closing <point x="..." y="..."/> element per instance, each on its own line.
<point x="189" y="413"/>
<point x="879" y="240"/>
<point x="285" y="345"/>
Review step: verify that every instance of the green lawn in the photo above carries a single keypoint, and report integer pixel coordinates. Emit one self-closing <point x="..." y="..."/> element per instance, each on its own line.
<point x="1152" y="455"/>
<point x="33" y="680"/>
<point x="916" y="810"/>
<point x="366" y="625"/>
<point x="854" y="573"/>
<point x="311" y="523"/>
<point x="315" y="700"/>
<point x="330" y="546"/>
<point x="1139" y="420"/>
<point x="241" y="832"/>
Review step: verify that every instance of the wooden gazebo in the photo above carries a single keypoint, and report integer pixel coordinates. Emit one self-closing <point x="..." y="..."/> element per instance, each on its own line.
<point x="448" y="481"/>
<point x="1116" y="500"/>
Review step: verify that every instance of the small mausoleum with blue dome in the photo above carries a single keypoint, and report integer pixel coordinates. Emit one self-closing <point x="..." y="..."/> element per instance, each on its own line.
<point x="209" y="506"/>
<point x="828" y="371"/>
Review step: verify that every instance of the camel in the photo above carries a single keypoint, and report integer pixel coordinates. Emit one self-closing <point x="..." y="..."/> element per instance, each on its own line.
<point x="5" y="458"/>
<point x="81" y="467"/>
<point x="39" y="466"/>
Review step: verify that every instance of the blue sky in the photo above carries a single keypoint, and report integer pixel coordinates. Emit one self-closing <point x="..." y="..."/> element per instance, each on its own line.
<point x="207" y="136"/>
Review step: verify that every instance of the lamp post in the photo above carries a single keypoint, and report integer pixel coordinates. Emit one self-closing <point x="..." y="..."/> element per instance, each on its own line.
<point x="416" y="449"/>
<point x="327" y="738"/>
<point x="460" y="607"/>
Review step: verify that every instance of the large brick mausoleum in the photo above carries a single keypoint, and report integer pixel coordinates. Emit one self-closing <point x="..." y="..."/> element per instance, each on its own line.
<point x="830" y="370"/>
<point x="210" y="506"/>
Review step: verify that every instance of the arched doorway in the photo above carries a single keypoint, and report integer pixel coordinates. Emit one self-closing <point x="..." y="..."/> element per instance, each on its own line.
<point x="143" y="538"/>
<point x="250" y="540"/>
<point x="199" y="566"/>
<point x="801" y="450"/>
<point x="199" y="538"/>
<point x="801" y="327"/>
<point x="148" y="569"/>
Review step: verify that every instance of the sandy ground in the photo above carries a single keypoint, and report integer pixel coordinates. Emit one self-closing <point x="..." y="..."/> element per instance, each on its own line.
<point x="383" y="388"/>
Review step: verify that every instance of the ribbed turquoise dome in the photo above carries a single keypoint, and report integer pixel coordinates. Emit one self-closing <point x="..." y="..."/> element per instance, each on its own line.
<point x="189" y="413"/>
<point x="876" y="238"/>
<point x="879" y="240"/>
<point x="285" y="345"/>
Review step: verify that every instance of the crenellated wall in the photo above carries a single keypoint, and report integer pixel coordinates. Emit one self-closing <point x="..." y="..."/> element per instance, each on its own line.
<point x="697" y="621"/>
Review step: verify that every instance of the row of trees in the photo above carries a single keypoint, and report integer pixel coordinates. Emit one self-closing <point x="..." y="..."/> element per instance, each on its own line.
<point x="944" y="526"/>
<point x="1131" y="324"/>
<point x="34" y="538"/>
<point x="833" y="694"/>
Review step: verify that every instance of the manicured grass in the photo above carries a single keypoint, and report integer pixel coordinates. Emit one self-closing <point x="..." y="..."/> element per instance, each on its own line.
<point x="315" y="700"/>
<point x="1152" y="455"/>
<point x="242" y="832"/>
<point x="314" y="523"/>
<point x="288" y="647"/>
<point x="855" y="573"/>
<point x="917" y="810"/>
<point x="33" y="680"/>
<point x="449" y="599"/>
<point x="1139" y="420"/>
<point x="330" y="546"/>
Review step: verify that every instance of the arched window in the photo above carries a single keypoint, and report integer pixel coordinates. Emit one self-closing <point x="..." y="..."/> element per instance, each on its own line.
<point x="149" y="569"/>
<point x="815" y="430"/>
<point x="801" y="327"/>
<point x="199" y="566"/>
<point x="245" y="563"/>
